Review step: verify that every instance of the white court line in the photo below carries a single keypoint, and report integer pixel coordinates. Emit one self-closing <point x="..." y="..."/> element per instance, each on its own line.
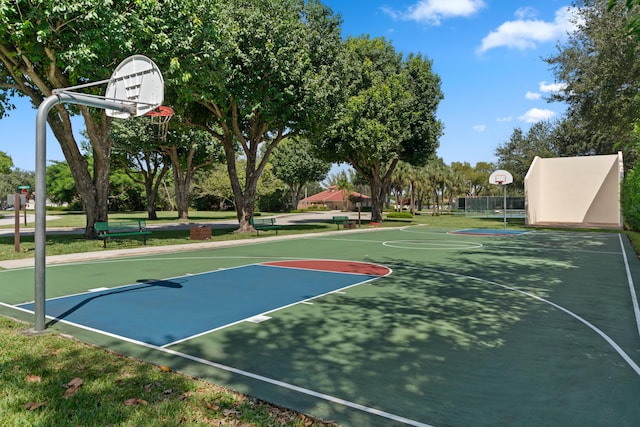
<point x="318" y="395"/>
<point x="632" y="289"/>
<point x="310" y="299"/>
<point x="591" y="326"/>
<point x="302" y="390"/>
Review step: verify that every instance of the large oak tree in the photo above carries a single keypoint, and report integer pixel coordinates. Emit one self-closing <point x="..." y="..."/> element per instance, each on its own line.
<point x="252" y="73"/>
<point x="389" y="114"/>
<point x="51" y="44"/>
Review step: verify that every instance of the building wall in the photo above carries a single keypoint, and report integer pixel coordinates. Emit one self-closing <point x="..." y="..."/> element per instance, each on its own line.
<point x="574" y="191"/>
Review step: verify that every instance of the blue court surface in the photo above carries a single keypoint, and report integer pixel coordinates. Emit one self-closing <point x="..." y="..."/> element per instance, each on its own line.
<point x="162" y="312"/>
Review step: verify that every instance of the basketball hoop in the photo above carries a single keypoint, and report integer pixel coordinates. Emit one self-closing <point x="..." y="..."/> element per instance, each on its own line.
<point x="160" y="118"/>
<point x="501" y="177"/>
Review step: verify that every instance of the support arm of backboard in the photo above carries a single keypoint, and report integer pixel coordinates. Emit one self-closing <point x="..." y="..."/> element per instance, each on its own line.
<point x="41" y="185"/>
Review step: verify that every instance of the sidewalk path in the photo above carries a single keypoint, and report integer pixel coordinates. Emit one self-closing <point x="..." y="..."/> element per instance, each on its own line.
<point x="284" y="219"/>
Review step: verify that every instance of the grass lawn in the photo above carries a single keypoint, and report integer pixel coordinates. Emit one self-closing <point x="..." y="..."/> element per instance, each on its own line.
<point x="54" y="380"/>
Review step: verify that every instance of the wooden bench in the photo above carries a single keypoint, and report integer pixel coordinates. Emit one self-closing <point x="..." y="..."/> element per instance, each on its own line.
<point x="344" y="221"/>
<point x="111" y="229"/>
<point x="262" y="224"/>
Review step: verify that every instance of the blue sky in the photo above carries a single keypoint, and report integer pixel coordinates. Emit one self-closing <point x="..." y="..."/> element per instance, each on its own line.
<point x="488" y="54"/>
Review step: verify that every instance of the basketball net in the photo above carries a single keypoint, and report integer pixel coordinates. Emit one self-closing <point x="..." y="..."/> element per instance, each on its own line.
<point x="160" y="118"/>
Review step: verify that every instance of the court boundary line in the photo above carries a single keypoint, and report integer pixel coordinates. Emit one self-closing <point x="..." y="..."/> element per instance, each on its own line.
<point x="632" y="290"/>
<point x="433" y="246"/>
<point x="199" y="334"/>
<point x="302" y="390"/>
<point x="590" y="325"/>
<point x="268" y="380"/>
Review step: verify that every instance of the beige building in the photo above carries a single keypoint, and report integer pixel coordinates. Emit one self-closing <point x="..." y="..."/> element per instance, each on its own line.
<point x="574" y="191"/>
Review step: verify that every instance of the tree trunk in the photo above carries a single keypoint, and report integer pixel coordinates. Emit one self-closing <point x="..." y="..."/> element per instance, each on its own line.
<point x="152" y="215"/>
<point x="94" y="191"/>
<point x="377" y="198"/>
<point x="295" y="195"/>
<point x="181" y="183"/>
<point x="181" y="178"/>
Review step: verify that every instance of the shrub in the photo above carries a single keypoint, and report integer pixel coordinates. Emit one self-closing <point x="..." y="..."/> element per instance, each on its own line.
<point x="630" y="200"/>
<point x="403" y="214"/>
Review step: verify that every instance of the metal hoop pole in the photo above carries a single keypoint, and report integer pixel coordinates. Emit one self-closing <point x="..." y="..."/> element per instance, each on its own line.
<point x="40" y="233"/>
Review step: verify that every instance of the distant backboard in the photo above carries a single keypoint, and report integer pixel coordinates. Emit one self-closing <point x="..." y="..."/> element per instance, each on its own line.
<point x="501" y="177"/>
<point x="137" y="80"/>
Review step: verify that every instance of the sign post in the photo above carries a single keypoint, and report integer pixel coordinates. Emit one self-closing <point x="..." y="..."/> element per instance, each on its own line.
<point x="16" y="234"/>
<point x="24" y="190"/>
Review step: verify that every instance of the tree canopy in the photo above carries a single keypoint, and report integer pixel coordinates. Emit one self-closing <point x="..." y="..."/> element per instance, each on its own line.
<point x="294" y="163"/>
<point x="389" y="114"/>
<point x="599" y="66"/>
<point x="6" y="162"/>
<point x="48" y="45"/>
<point x="253" y="73"/>
<point x="517" y="154"/>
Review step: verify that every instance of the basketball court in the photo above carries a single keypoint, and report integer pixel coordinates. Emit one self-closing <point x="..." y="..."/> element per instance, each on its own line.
<point x="413" y="326"/>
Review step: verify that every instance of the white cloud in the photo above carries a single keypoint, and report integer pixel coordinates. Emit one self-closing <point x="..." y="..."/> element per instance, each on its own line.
<point x="532" y="96"/>
<point x="479" y="128"/>
<point x="535" y="115"/>
<point x="433" y="11"/>
<point x="504" y="119"/>
<point x="552" y="87"/>
<point x="526" y="33"/>
<point x="526" y="12"/>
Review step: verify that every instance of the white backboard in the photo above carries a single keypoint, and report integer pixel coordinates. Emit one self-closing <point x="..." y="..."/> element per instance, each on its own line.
<point x="500" y="177"/>
<point x="137" y="81"/>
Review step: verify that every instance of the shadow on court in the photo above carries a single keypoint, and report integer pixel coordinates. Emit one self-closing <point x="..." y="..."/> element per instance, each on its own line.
<point x="144" y="284"/>
<point x="526" y="330"/>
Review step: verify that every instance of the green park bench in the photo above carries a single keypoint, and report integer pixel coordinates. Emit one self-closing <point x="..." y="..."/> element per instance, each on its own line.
<point x="112" y="229"/>
<point x="344" y="221"/>
<point x="263" y="224"/>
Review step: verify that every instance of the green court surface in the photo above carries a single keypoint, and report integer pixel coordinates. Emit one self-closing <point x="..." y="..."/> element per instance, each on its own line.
<point x="532" y="329"/>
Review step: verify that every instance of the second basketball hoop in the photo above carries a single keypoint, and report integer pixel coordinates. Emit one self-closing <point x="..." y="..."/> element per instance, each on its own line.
<point x="501" y="177"/>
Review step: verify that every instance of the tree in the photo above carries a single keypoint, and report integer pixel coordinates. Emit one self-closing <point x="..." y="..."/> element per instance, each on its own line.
<point x="188" y="151"/>
<point x="6" y="162"/>
<point x="47" y="45"/>
<point x="135" y="150"/>
<point x="436" y="172"/>
<point x="516" y="155"/>
<point x="253" y="73"/>
<point x="475" y="178"/>
<point x="212" y="189"/>
<point x="61" y="187"/>
<point x="294" y="163"/>
<point x="10" y="181"/>
<point x="600" y="68"/>
<point x="402" y="183"/>
<point x="345" y="185"/>
<point x="480" y="177"/>
<point x="388" y="114"/>
<point x="272" y="194"/>
<point x="634" y="23"/>
<point x="124" y="193"/>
